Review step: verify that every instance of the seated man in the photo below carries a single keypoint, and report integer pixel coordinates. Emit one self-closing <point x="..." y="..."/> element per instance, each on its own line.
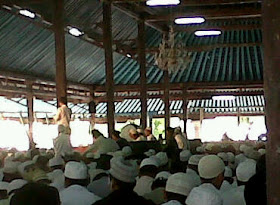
<point x="123" y="177"/>
<point x="149" y="135"/>
<point x="119" y="140"/>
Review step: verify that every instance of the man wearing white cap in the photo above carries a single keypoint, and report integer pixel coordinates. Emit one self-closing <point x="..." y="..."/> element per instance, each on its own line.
<point x="10" y="171"/>
<point x="62" y="144"/>
<point x="63" y="115"/>
<point x="76" y="180"/>
<point x="4" y="193"/>
<point x="123" y="176"/>
<point x="211" y="171"/>
<point x="244" y="172"/>
<point x="149" y="135"/>
<point x="148" y="171"/>
<point x="100" y="182"/>
<point x="178" y="187"/>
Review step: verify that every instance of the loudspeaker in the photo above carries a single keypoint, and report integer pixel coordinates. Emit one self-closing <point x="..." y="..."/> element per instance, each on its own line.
<point x="92" y="107"/>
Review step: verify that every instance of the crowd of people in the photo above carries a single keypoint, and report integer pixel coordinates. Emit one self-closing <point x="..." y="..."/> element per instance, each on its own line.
<point x="110" y="172"/>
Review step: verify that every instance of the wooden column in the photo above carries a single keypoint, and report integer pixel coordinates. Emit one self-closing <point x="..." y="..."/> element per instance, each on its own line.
<point x="238" y="116"/>
<point x="271" y="40"/>
<point x="108" y="42"/>
<point x="29" y="98"/>
<point x="185" y="108"/>
<point x="201" y="116"/>
<point x="92" y="103"/>
<point x="61" y="80"/>
<point x="143" y="77"/>
<point x="166" y="100"/>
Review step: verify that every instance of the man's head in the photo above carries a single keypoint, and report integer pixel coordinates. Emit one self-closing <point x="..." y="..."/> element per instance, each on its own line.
<point x="245" y="170"/>
<point x="96" y="134"/>
<point x="211" y="170"/>
<point x="149" y="167"/>
<point x="76" y="173"/>
<point x="133" y="134"/>
<point x="148" y="131"/>
<point x="116" y="135"/>
<point x="62" y="101"/>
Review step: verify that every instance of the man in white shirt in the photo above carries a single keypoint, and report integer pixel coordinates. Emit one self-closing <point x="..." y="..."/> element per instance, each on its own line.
<point x="62" y="144"/>
<point x="76" y="180"/>
<point x="181" y="140"/>
<point x="63" y="115"/>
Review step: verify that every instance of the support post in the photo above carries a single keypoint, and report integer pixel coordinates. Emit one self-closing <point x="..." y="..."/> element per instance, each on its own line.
<point x="107" y="42"/>
<point x="185" y="108"/>
<point x="271" y="40"/>
<point x="61" y="80"/>
<point x="92" y="108"/>
<point x="143" y="77"/>
<point x="30" y="102"/>
<point x="238" y="116"/>
<point x="201" y="116"/>
<point x="166" y="101"/>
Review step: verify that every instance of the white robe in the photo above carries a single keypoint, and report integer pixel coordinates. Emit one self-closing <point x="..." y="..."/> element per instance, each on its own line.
<point x="181" y="142"/>
<point x="77" y="195"/>
<point x="62" y="145"/>
<point x="63" y="116"/>
<point x="143" y="185"/>
<point x="234" y="196"/>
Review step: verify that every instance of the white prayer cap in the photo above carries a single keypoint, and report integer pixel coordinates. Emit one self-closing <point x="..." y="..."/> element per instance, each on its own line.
<point x="4" y="186"/>
<point x="262" y="151"/>
<point x="123" y="170"/>
<point x="127" y="151"/>
<point x="240" y="158"/>
<point x="194" y="159"/>
<point x="133" y="131"/>
<point x="149" y="161"/>
<point x="150" y="152"/>
<point x="223" y="156"/>
<point x="8" y="159"/>
<point x="16" y="184"/>
<point x="35" y="158"/>
<point x="204" y="196"/>
<point x="200" y="149"/>
<point x="163" y="175"/>
<point x="231" y="157"/>
<point x="253" y="154"/>
<point x="177" y="130"/>
<point x="76" y="170"/>
<point x="209" y="147"/>
<point x="118" y="154"/>
<point x="22" y="166"/>
<point x="95" y="172"/>
<point x="185" y="155"/>
<point x="56" y="161"/>
<point x="210" y="166"/>
<point x="92" y="165"/>
<point x="179" y="183"/>
<point x="228" y="172"/>
<point x="19" y="155"/>
<point x="11" y="167"/>
<point x="246" y="170"/>
<point x="163" y="158"/>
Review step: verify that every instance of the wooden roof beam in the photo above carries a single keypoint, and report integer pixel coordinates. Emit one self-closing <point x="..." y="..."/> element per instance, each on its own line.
<point x="208" y="14"/>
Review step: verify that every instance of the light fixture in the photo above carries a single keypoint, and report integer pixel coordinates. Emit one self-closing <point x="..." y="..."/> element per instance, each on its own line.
<point x="189" y="20"/>
<point x="75" y="32"/>
<point x="27" y="13"/>
<point x="208" y="33"/>
<point x="223" y="97"/>
<point x="128" y="55"/>
<point x="162" y="2"/>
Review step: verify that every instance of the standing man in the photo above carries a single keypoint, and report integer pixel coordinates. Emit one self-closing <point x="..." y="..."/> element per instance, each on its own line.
<point x="63" y="115"/>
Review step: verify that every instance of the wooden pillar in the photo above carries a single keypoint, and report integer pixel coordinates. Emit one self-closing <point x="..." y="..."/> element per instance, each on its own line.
<point x="107" y="42"/>
<point x="29" y="98"/>
<point x="143" y="77"/>
<point x="238" y="116"/>
<point x="271" y="40"/>
<point x="61" y="80"/>
<point x="166" y="101"/>
<point x="201" y="116"/>
<point x="92" y="108"/>
<point x="185" y="108"/>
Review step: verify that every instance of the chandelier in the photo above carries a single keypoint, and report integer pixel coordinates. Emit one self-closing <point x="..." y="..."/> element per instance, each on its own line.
<point x="172" y="56"/>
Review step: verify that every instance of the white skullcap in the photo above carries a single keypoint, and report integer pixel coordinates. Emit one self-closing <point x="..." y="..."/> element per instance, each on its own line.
<point x="240" y="158"/>
<point x="16" y="184"/>
<point x="223" y="156"/>
<point x="149" y="161"/>
<point x="4" y="186"/>
<point x="118" y="154"/>
<point x="123" y="170"/>
<point x="133" y="131"/>
<point x="194" y="159"/>
<point x="95" y="172"/>
<point x="163" y="158"/>
<point x="209" y="147"/>
<point x="56" y="161"/>
<point x="253" y="154"/>
<point x="243" y="148"/>
<point x="228" y="172"/>
<point x="92" y="165"/>
<point x="262" y="151"/>
<point x="200" y="149"/>
<point x="18" y="155"/>
<point x="127" y="151"/>
<point x="11" y="167"/>
<point x="177" y="130"/>
<point x="185" y="155"/>
<point x="231" y="157"/>
<point x="35" y="158"/>
<point x="179" y="183"/>
<point x="163" y="175"/>
<point x="54" y="175"/>
<point x="22" y="166"/>
<point x="150" y="152"/>
<point x="204" y="196"/>
<point x="246" y="170"/>
<point x="210" y="166"/>
<point x="76" y="170"/>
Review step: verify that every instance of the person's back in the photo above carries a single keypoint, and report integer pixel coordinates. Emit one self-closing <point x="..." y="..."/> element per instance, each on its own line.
<point x="63" y="116"/>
